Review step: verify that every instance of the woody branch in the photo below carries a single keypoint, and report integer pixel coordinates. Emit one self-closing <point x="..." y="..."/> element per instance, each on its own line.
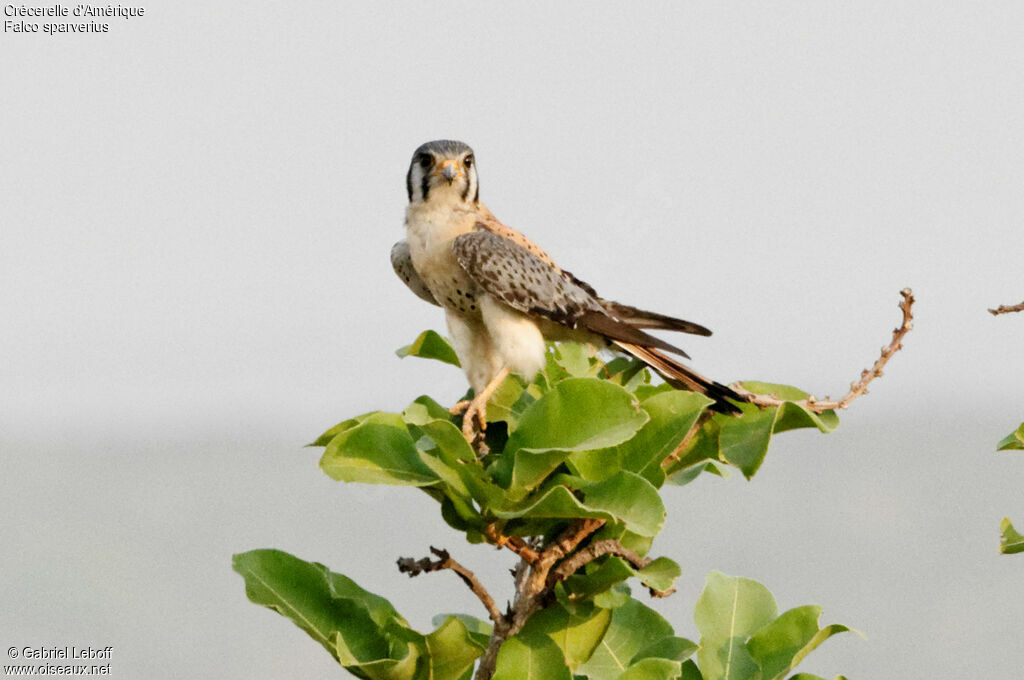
<point x="858" y="387"/>
<point x="1006" y="309"/>
<point x="408" y="565"/>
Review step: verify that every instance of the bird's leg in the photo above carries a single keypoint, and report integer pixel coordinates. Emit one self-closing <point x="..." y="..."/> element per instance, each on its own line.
<point x="477" y="409"/>
<point x="459" y="407"/>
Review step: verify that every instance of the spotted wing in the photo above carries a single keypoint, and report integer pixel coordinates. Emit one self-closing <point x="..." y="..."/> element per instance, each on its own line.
<point x="491" y="223"/>
<point x="638" y="318"/>
<point x="527" y="283"/>
<point x="401" y="262"/>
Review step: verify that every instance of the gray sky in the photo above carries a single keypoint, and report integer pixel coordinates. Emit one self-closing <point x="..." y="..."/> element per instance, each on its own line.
<point x="197" y="211"/>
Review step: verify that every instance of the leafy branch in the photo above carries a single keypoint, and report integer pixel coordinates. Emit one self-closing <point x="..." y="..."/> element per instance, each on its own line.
<point x="596" y="550"/>
<point x="578" y="459"/>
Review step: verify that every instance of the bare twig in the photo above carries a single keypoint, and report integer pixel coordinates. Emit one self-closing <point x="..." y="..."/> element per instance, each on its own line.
<point x="1006" y="309"/>
<point x="568" y="540"/>
<point x="535" y="579"/>
<point x="597" y="549"/>
<point x="514" y="543"/>
<point x="408" y="565"/>
<point x="858" y="387"/>
<point x="531" y="583"/>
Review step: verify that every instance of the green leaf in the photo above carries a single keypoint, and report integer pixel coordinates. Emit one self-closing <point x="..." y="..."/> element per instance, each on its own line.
<point x="577" y="359"/>
<point x="633" y="627"/>
<point x="1012" y="441"/>
<point x="452" y="650"/>
<point x="609" y="571"/>
<point x="661" y="574"/>
<point x="819" y="637"/>
<point x="646" y="391"/>
<point x="674" y="648"/>
<point x="613" y="598"/>
<point x="424" y="410"/>
<point x="624" y="497"/>
<point x="684" y="476"/>
<point x="794" y="416"/>
<point x="361" y="630"/>
<point x="529" y="656"/>
<point x="509" y="402"/>
<point x="430" y="345"/>
<point x="630" y="540"/>
<point x="597" y="578"/>
<point x="450" y="457"/>
<point x="704" y="446"/>
<point x="743" y="441"/>
<point x="577" y="414"/>
<point x="445" y="439"/>
<point x="630" y="498"/>
<point x="775" y="644"/>
<point x="553" y="372"/>
<point x="326" y="437"/>
<point x="479" y="629"/>
<point x="576" y="630"/>
<point x="672" y="414"/>
<point x="782" y="644"/>
<point x="632" y="374"/>
<point x="377" y="451"/>
<point x="557" y="502"/>
<point x="690" y="671"/>
<point x="729" y="610"/>
<point x="1010" y="542"/>
<point x="652" y="669"/>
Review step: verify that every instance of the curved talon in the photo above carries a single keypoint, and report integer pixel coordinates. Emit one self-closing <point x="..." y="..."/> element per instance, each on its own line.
<point x="474" y="419"/>
<point x="474" y="425"/>
<point x="459" y="407"/>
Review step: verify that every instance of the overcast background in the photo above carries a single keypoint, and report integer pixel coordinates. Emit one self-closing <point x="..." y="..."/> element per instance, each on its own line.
<point x="197" y="209"/>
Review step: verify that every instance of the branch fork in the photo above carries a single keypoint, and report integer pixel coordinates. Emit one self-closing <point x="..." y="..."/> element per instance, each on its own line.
<point x="536" y="576"/>
<point x="408" y="565"/>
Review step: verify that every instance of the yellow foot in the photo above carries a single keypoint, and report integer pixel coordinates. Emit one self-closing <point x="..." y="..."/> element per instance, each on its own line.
<point x="474" y="426"/>
<point x="474" y="420"/>
<point x="459" y="407"/>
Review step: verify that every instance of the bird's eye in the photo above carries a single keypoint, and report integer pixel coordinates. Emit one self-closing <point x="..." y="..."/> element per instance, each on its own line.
<point x="426" y="161"/>
<point x="468" y="162"/>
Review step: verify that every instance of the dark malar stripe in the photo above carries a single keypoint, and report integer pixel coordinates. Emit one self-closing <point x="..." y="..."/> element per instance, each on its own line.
<point x="425" y="186"/>
<point x="408" y="183"/>
<point x="469" y="181"/>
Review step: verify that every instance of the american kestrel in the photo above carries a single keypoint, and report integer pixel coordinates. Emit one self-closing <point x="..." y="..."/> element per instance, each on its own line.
<point x="504" y="297"/>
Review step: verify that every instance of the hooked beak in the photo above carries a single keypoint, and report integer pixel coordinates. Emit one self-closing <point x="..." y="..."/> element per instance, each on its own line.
<point x="449" y="171"/>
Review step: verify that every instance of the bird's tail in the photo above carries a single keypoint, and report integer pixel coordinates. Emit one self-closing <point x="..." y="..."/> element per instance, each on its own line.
<point x="640" y="318"/>
<point x="683" y="378"/>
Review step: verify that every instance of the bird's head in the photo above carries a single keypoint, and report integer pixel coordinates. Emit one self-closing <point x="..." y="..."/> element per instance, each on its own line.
<point x="443" y="171"/>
